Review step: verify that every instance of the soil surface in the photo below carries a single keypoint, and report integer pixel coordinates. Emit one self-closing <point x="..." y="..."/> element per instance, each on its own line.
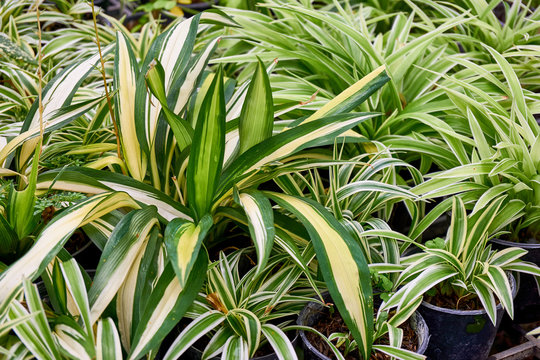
<point x="329" y="324"/>
<point x="469" y="302"/>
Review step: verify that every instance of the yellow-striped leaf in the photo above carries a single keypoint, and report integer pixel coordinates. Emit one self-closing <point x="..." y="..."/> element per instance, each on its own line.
<point x="125" y="81"/>
<point x="183" y="240"/>
<point x="342" y="264"/>
<point x="52" y="238"/>
<point x="166" y="306"/>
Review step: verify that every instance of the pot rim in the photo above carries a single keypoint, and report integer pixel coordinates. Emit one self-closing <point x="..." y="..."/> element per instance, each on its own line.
<point x="513" y="286"/>
<point x="516" y="244"/>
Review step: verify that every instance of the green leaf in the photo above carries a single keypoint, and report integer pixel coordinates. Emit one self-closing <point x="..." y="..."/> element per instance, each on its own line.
<point x="246" y="325"/>
<point x="457" y="233"/>
<point x="193" y="332"/>
<point x="127" y="240"/>
<point x="167" y="304"/>
<point x="182" y="130"/>
<point x="53" y="237"/>
<point x="235" y="348"/>
<point x="342" y="264"/>
<point x="207" y="151"/>
<point x="279" y="341"/>
<point x="261" y="224"/>
<point x="108" y="346"/>
<point x="183" y="240"/>
<point x="257" y="116"/>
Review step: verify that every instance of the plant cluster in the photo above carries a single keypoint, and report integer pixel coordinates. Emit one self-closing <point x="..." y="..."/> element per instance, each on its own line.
<point x="232" y="166"/>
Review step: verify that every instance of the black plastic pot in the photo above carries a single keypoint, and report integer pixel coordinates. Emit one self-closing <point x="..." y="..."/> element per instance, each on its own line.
<point x="527" y="302"/>
<point x="313" y="311"/>
<point x="458" y="334"/>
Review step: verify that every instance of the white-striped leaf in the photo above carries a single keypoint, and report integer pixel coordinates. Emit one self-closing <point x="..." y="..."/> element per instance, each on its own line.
<point x="279" y="341"/>
<point x="75" y="284"/>
<point x="398" y="353"/>
<point x="108" y="346"/>
<point x="198" y="328"/>
<point x="57" y="94"/>
<point x="235" y="348"/>
<point x="261" y="224"/>
<point x="246" y="325"/>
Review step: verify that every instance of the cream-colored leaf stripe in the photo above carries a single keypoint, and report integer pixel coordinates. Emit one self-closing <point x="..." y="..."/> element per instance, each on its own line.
<point x="118" y="276"/>
<point x="124" y="302"/>
<point x="126" y="81"/>
<point x="186" y="247"/>
<point x="161" y="311"/>
<point x="350" y="91"/>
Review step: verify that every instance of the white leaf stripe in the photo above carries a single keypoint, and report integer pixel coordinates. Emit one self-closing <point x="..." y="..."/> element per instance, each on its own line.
<point x="398" y="353"/>
<point x="57" y="94"/>
<point x="108" y="346"/>
<point x="261" y="225"/>
<point x="193" y="332"/>
<point x="75" y="284"/>
<point x="235" y="348"/>
<point x="279" y="341"/>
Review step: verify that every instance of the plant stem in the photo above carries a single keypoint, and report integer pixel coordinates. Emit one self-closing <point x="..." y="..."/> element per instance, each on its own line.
<point x="40" y="78"/>
<point x="107" y="95"/>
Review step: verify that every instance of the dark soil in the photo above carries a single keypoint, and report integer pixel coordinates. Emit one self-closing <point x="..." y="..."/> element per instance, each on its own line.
<point x="329" y="324"/>
<point x="471" y="302"/>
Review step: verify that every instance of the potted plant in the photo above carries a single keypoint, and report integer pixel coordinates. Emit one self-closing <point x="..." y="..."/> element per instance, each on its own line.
<point x="406" y="333"/>
<point x="498" y="155"/>
<point x="461" y="280"/>
<point x="242" y="316"/>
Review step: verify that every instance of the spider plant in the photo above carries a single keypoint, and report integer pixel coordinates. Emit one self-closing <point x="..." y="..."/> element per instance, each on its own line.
<point x="304" y="38"/>
<point x="463" y="264"/>
<point x="47" y="335"/>
<point x="500" y="155"/>
<point x="239" y="313"/>
<point x="386" y="325"/>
